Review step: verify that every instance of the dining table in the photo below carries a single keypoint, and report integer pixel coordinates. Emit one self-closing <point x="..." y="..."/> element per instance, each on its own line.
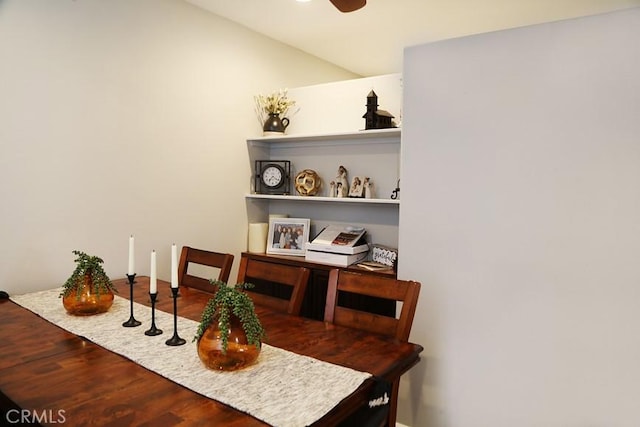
<point x="50" y="375"/>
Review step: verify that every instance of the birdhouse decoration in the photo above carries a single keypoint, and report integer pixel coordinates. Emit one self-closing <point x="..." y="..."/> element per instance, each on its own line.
<point x="374" y="118"/>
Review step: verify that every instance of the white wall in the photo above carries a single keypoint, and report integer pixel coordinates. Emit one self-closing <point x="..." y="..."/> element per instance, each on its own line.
<point x="339" y="106"/>
<point x="127" y="116"/>
<point x="521" y="217"/>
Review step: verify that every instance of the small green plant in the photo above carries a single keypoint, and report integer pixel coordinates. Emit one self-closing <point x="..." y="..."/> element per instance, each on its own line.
<point x="230" y="300"/>
<point x="87" y="264"/>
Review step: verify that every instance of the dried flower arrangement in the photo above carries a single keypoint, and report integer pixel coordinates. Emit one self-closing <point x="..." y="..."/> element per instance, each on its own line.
<point x="277" y="103"/>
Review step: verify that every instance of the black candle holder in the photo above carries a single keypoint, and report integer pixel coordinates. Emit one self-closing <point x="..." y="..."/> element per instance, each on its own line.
<point x="132" y="322"/>
<point x="153" y="330"/>
<point x="175" y="340"/>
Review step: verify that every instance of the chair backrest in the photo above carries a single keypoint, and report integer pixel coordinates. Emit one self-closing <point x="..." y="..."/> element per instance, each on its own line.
<point x="287" y="275"/>
<point x="218" y="260"/>
<point x="378" y="286"/>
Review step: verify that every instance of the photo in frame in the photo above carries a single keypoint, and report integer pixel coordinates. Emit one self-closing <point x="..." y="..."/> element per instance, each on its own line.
<point x="288" y="236"/>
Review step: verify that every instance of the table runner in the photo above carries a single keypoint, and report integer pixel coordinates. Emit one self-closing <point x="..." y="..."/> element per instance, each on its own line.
<point x="282" y="389"/>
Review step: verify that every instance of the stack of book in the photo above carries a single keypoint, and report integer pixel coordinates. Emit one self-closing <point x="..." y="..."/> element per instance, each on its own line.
<point x="338" y="245"/>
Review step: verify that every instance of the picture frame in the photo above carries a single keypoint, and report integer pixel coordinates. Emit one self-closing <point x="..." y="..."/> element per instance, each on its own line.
<point x="288" y="236"/>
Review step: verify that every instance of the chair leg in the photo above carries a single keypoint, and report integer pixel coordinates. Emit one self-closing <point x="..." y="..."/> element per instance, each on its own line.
<point x="393" y="404"/>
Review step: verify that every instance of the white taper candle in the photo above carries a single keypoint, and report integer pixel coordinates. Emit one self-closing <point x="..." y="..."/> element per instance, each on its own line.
<point x="174" y="266"/>
<point x="132" y="267"/>
<point x="153" y="282"/>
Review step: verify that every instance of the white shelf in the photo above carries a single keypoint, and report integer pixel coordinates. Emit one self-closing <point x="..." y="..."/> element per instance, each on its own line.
<point x="372" y="136"/>
<point x="324" y="199"/>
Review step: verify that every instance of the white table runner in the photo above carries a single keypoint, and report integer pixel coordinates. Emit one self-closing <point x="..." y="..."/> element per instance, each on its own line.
<point x="282" y="389"/>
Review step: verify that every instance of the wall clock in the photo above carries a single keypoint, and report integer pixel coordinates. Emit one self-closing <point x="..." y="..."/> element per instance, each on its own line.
<point x="273" y="177"/>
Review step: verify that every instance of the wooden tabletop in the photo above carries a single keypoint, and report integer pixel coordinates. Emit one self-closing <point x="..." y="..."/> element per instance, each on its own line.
<point x="45" y="368"/>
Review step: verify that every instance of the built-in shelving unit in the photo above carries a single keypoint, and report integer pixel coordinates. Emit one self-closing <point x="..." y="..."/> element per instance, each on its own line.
<point x="371" y="153"/>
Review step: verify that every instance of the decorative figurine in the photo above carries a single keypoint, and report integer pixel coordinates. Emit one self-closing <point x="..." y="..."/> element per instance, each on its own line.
<point x="357" y="187"/>
<point x="374" y="118"/>
<point x="368" y="188"/>
<point x="332" y="189"/>
<point x="342" y="185"/>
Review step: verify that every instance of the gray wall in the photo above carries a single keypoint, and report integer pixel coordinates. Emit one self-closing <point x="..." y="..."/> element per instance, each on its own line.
<point x="521" y="216"/>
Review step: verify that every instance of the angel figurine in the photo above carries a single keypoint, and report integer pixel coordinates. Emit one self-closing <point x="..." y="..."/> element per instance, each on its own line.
<point x="342" y="185"/>
<point x="368" y="188"/>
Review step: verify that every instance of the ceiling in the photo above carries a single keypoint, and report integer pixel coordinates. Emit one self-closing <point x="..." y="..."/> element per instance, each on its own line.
<point x="370" y="41"/>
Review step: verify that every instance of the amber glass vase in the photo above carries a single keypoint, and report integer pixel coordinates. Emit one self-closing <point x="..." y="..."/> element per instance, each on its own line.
<point x="239" y="354"/>
<point x="85" y="301"/>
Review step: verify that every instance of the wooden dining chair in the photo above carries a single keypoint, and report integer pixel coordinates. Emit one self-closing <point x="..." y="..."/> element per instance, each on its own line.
<point x="218" y="260"/>
<point x="404" y="291"/>
<point x="293" y="278"/>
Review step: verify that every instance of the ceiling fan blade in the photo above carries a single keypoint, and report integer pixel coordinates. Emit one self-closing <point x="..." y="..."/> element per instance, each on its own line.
<point x="348" y="5"/>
